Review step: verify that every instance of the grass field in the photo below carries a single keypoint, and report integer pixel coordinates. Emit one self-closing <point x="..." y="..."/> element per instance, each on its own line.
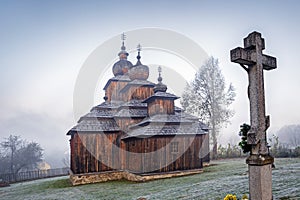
<point x="219" y="179"/>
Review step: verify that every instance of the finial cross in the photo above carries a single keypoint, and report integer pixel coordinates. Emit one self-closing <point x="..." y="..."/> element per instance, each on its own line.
<point x="159" y="74"/>
<point x="139" y="47"/>
<point x="123" y="37"/>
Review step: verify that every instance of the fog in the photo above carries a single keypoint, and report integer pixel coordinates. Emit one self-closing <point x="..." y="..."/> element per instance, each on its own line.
<point x="45" y="44"/>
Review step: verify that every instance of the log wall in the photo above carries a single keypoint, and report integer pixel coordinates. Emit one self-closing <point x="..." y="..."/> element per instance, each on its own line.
<point x="138" y="93"/>
<point x="92" y="152"/>
<point x="161" y="106"/>
<point x="155" y="154"/>
<point x="113" y="90"/>
<point x="133" y="93"/>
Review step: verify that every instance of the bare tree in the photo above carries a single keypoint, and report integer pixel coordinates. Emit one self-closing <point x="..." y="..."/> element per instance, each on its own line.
<point x="18" y="154"/>
<point x="11" y="144"/>
<point x="206" y="97"/>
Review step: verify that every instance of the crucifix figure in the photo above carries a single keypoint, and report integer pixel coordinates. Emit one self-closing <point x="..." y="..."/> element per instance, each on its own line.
<point x="260" y="162"/>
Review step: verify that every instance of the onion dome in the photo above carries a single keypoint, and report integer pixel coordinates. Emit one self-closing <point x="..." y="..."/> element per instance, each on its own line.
<point x="123" y="65"/>
<point x="160" y="87"/>
<point x="139" y="71"/>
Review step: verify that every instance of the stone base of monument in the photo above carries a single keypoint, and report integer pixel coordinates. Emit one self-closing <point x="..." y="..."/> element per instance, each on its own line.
<point x="260" y="176"/>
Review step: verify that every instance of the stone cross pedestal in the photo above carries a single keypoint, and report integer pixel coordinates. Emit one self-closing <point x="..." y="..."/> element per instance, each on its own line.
<point x="260" y="162"/>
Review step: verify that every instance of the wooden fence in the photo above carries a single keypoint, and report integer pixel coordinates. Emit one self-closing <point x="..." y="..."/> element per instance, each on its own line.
<point x="32" y="175"/>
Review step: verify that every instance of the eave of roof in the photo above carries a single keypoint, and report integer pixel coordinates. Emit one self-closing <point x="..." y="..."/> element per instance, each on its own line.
<point x="132" y="113"/>
<point x="177" y="118"/>
<point x="161" y="95"/>
<point x="163" y="130"/>
<point x="123" y="78"/>
<point x="95" y="125"/>
<point x="139" y="83"/>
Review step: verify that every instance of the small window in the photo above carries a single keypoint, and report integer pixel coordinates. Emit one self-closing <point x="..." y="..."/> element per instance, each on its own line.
<point x="174" y="147"/>
<point x="133" y="144"/>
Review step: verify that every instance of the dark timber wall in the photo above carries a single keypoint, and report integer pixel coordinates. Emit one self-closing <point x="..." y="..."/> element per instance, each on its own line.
<point x="92" y="152"/>
<point x="142" y="155"/>
<point x="155" y="154"/>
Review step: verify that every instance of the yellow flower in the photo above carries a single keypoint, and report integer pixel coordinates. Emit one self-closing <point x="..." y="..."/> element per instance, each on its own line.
<point x="230" y="197"/>
<point x="244" y="197"/>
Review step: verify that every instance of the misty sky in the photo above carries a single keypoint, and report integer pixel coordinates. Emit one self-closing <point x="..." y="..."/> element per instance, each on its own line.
<point x="43" y="45"/>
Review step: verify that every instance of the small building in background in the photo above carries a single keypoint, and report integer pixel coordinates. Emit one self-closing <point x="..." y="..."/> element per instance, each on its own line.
<point x="43" y="166"/>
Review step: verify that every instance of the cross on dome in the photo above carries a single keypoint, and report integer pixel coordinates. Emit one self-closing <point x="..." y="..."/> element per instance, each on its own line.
<point x="160" y="87"/>
<point x="139" y="48"/>
<point x="123" y="53"/>
<point x="122" y="66"/>
<point x="123" y="38"/>
<point x="159" y="75"/>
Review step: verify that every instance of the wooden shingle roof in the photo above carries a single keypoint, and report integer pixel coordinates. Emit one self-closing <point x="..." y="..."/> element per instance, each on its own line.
<point x="132" y="113"/>
<point x="163" y="95"/>
<point x="163" y="118"/>
<point x="137" y="82"/>
<point x="95" y="125"/>
<point x="159" y="129"/>
<point x="123" y="78"/>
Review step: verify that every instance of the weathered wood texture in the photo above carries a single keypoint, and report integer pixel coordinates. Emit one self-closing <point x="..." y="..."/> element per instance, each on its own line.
<point x="96" y="153"/>
<point x="92" y="152"/>
<point x="204" y="153"/>
<point x="124" y="123"/>
<point x="161" y="106"/>
<point x="155" y="154"/>
<point x="113" y="90"/>
<point x="137" y="93"/>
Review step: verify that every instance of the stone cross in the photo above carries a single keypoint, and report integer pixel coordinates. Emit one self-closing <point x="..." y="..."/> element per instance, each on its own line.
<point x="260" y="162"/>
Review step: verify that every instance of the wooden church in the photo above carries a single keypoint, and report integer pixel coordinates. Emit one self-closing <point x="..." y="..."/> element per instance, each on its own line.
<point x="137" y="130"/>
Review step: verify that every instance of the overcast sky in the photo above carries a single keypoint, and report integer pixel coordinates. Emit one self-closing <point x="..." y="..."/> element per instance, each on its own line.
<point x="43" y="45"/>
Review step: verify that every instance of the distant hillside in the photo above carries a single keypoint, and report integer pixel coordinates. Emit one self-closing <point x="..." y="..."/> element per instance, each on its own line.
<point x="290" y="135"/>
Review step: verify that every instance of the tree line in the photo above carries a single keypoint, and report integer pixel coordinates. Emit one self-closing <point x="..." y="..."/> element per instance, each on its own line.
<point x="276" y="149"/>
<point x="17" y="154"/>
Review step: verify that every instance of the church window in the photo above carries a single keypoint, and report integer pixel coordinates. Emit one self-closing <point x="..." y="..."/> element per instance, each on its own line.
<point x="174" y="147"/>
